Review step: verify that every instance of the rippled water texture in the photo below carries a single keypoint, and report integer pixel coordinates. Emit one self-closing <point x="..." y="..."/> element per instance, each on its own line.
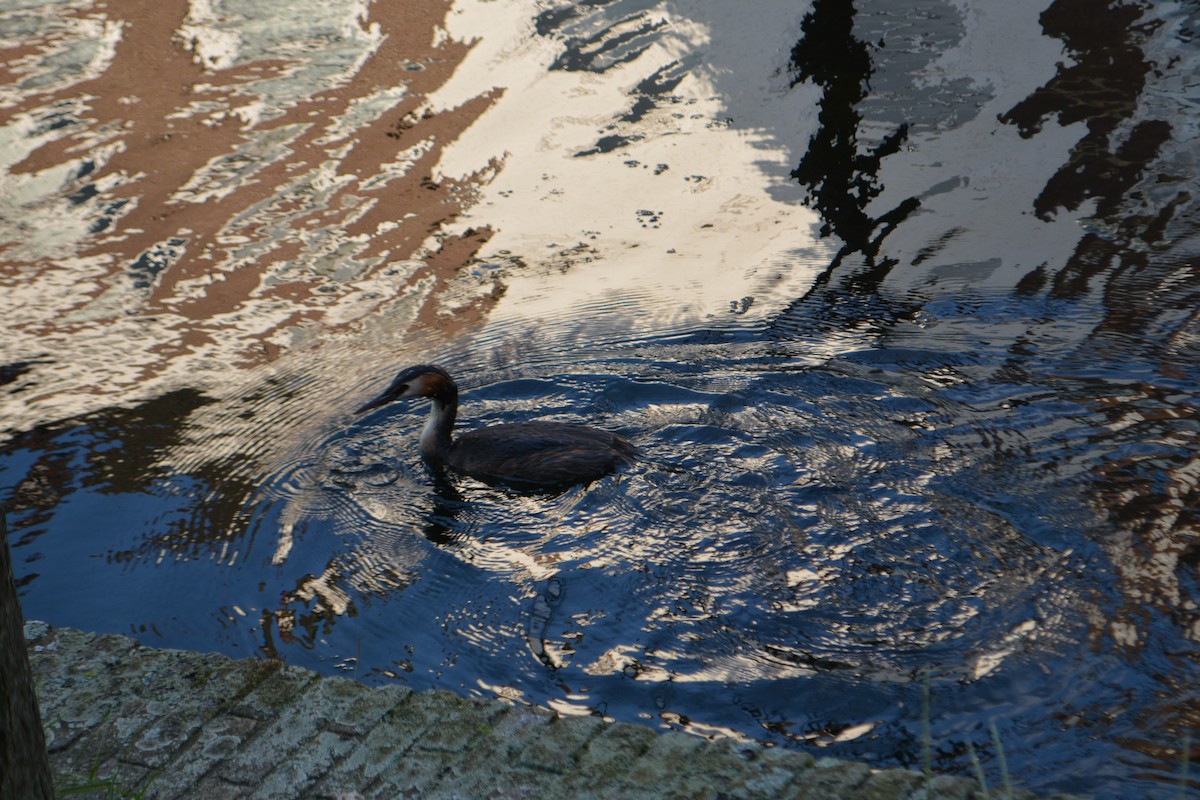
<point x="897" y="300"/>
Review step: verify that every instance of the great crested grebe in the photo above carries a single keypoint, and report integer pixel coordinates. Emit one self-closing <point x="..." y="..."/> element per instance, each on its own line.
<point x="523" y="454"/>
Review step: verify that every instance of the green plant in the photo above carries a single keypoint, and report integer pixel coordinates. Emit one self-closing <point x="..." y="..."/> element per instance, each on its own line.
<point x="1003" y="762"/>
<point x="111" y="789"/>
<point x="69" y="784"/>
<point x="978" y="771"/>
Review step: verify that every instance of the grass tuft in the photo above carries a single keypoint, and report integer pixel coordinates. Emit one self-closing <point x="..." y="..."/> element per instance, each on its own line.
<point x="1004" y="776"/>
<point x="110" y="788"/>
<point x="978" y="771"/>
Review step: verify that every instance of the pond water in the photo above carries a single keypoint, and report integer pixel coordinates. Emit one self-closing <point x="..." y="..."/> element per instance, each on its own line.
<point x="910" y="346"/>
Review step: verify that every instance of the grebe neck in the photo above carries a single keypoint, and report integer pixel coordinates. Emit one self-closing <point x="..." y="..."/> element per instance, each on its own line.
<point x="435" y="436"/>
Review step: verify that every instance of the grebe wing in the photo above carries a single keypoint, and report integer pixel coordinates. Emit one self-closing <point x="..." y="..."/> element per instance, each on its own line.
<point x="539" y="453"/>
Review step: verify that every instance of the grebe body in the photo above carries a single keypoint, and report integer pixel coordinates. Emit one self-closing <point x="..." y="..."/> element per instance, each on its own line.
<point x="524" y="454"/>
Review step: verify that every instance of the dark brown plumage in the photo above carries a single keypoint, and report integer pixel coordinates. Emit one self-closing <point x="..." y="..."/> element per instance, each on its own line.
<point x="525" y="454"/>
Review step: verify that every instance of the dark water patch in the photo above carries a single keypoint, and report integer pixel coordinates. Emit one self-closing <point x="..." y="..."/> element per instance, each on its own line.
<point x="123" y="446"/>
<point x="107" y="214"/>
<point x="599" y="36"/>
<point x="83" y="194"/>
<point x="607" y="144"/>
<point x="11" y="373"/>
<point x="653" y="89"/>
<point x="151" y="262"/>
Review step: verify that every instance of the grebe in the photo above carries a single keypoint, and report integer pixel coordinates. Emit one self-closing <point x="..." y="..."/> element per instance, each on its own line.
<point x="525" y="454"/>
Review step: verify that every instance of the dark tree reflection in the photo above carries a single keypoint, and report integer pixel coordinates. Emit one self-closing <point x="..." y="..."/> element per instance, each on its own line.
<point x="840" y="173"/>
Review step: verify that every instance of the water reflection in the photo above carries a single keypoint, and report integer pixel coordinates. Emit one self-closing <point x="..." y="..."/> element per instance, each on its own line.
<point x="1079" y="372"/>
<point x="739" y="551"/>
<point x="842" y="180"/>
<point x="169" y="233"/>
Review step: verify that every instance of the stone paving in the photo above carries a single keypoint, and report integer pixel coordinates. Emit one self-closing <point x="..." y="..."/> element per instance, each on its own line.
<point x="134" y="721"/>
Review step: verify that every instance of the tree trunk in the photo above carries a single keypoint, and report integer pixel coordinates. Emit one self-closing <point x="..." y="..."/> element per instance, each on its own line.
<point x="24" y="765"/>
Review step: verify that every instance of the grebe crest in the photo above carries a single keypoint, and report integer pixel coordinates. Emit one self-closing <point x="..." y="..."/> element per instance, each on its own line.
<point x="526" y="454"/>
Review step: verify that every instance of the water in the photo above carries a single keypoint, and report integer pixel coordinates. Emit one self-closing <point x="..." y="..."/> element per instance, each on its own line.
<point x="919" y="417"/>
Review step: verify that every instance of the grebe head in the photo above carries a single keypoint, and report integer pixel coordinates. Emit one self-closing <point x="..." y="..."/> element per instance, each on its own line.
<point x="423" y="380"/>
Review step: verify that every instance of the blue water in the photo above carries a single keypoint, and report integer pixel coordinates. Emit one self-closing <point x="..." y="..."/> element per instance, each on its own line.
<point x="803" y="548"/>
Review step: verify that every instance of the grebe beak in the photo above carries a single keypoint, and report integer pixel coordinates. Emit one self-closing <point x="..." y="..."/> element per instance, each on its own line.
<point x="393" y="392"/>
